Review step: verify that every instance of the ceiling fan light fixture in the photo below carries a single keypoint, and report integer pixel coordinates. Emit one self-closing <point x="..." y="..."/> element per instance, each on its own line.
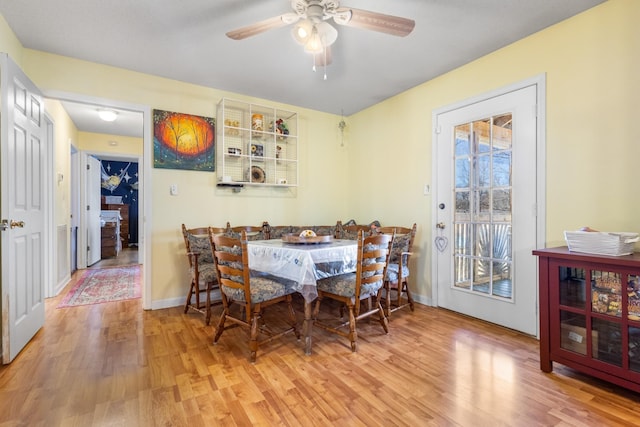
<point x="302" y="31"/>
<point x="327" y="33"/>
<point x="314" y="43"/>
<point x="107" y="115"/>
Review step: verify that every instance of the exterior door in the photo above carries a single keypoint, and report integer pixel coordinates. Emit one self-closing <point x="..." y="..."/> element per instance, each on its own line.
<point x="94" y="244"/>
<point x="486" y="210"/>
<point x="23" y="158"/>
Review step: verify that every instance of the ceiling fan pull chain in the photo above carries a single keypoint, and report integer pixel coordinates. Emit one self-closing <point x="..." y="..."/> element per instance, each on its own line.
<point x="325" y="63"/>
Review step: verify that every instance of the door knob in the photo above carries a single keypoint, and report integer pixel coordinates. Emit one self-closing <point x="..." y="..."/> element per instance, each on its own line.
<point x="440" y="225"/>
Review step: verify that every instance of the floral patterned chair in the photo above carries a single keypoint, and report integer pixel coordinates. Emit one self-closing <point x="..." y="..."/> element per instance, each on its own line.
<point x="251" y="292"/>
<point x="203" y="290"/>
<point x="354" y="288"/>
<point x="396" y="281"/>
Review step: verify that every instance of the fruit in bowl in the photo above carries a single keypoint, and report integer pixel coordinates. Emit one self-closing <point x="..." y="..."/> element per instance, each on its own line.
<point x="307" y="233"/>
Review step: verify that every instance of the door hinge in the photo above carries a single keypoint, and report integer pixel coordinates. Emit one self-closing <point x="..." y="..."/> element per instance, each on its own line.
<point x="88" y="207"/>
<point x="88" y="167"/>
<point x="438" y="129"/>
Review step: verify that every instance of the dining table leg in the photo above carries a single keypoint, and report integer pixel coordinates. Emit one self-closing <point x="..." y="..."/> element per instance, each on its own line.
<point x="307" y="327"/>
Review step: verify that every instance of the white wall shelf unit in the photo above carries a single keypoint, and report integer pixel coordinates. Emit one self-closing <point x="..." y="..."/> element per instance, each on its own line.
<point x="257" y="145"/>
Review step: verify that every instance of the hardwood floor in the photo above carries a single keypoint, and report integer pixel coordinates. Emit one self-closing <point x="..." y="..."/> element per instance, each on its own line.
<point x="115" y="364"/>
<point x="127" y="256"/>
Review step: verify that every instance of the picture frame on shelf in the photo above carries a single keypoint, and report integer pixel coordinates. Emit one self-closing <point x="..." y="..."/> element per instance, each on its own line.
<point x="257" y="151"/>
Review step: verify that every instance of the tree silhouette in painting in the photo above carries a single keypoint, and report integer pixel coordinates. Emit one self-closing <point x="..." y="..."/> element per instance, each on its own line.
<point x="183" y="141"/>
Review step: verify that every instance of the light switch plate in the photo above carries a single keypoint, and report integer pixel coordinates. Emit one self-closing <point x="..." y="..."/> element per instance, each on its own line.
<point x="173" y="189"/>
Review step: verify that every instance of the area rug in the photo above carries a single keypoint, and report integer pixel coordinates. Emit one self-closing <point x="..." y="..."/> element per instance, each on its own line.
<point x="104" y="285"/>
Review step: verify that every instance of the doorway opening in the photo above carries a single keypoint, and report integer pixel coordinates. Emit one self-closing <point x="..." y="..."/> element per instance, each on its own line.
<point x="83" y="111"/>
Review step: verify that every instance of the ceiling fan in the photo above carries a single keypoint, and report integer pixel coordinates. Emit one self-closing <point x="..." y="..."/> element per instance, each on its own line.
<point x="314" y="32"/>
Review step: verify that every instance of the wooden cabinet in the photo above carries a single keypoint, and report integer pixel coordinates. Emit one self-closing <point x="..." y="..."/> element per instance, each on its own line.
<point x="256" y="145"/>
<point x="124" y="222"/>
<point x="109" y="241"/>
<point x="590" y="314"/>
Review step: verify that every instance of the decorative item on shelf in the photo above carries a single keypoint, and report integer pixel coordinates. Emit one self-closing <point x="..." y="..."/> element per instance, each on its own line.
<point x="234" y="151"/>
<point x="256" y="174"/>
<point x="257" y="124"/>
<point x="234" y="124"/>
<point x="278" y="151"/>
<point x="257" y="150"/>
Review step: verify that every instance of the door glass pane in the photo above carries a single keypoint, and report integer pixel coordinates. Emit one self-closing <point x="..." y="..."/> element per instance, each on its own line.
<point x="483" y="197"/>
<point x="462" y="204"/>
<point x="462" y="245"/>
<point x="462" y="173"/>
<point x="482" y="276"/>
<point x="463" y="272"/>
<point x="462" y="135"/>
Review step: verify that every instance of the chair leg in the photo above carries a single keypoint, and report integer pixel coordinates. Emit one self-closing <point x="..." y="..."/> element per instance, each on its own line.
<point x="353" y="333"/>
<point x="387" y="292"/>
<point x="253" y="339"/>
<point x="207" y="309"/>
<point x="383" y="319"/>
<point x="223" y="317"/>
<point x="405" y="285"/>
<point x="189" y="295"/>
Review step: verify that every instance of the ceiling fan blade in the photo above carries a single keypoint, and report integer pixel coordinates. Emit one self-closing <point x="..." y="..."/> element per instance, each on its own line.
<point x="260" y="27"/>
<point x="368" y="20"/>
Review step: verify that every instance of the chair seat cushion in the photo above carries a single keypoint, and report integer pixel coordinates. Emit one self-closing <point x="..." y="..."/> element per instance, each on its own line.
<point x="345" y="285"/>
<point x="392" y="272"/>
<point x="207" y="273"/>
<point x="263" y="288"/>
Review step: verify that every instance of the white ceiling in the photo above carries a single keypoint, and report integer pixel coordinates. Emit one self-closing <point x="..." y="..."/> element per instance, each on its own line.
<point x="185" y="40"/>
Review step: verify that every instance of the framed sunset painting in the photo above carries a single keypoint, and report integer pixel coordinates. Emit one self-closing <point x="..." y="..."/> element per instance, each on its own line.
<point x="183" y="141"/>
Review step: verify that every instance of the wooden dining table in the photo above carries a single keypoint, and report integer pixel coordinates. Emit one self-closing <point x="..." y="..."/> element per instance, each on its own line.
<point x="304" y="264"/>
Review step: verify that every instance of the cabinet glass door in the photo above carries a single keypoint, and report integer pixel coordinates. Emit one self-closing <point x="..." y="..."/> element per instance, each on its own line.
<point x="606" y="295"/>
<point x="572" y="287"/>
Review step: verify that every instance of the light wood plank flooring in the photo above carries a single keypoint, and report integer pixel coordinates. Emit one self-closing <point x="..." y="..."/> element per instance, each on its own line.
<point x="117" y="365"/>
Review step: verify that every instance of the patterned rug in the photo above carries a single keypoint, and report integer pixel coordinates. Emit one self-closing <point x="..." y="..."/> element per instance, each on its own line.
<point x="104" y="285"/>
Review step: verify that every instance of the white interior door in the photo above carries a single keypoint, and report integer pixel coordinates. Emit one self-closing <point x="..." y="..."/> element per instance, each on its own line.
<point x="22" y="182"/>
<point x="94" y="236"/>
<point x="486" y="210"/>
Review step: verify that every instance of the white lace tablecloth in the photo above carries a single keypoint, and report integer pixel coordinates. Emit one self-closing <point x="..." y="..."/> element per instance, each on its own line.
<point x="303" y="263"/>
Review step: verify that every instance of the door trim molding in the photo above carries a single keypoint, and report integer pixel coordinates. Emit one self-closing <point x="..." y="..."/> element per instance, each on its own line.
<point x="539" y="81"/>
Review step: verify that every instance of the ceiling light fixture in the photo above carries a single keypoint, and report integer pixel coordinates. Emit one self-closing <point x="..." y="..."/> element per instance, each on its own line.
<point x="315" y="35"/>
<point x="108" y="115"/>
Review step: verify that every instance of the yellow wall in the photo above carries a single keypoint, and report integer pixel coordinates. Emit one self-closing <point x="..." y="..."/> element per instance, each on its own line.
<point x="66" y="134"/>
<point x="590" y="60"/>
<point x="101" y="143"/>
<point x="591" y="63"/>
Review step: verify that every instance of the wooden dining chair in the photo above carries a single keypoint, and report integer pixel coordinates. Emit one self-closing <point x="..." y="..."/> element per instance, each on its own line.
<point x="253" y="232"/>
<point x="276" y="231"/>
<point x="203" y="290"/>
<point x="352" y="289"/>
<point x="396" y="283"/>
<point x="350" y="232"/>
<point x="251" y="293"/>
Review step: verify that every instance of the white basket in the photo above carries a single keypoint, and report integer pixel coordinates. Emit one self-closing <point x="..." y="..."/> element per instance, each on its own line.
<point x="601" y="243"/>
